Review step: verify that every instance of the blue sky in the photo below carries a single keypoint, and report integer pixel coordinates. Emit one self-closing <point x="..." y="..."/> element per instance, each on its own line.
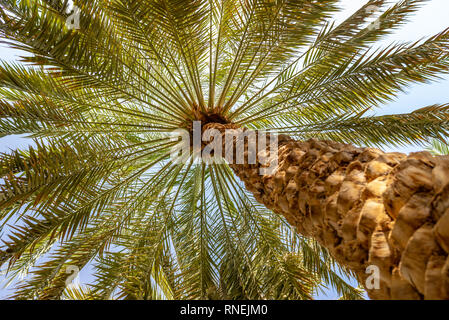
<point x="431" y="19"/>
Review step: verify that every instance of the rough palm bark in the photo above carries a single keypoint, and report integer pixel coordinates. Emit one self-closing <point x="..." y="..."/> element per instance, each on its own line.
<point x="367" y="208"/>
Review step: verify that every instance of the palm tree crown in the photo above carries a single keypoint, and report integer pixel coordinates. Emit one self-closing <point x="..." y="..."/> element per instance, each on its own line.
<point x="100" y="99"/>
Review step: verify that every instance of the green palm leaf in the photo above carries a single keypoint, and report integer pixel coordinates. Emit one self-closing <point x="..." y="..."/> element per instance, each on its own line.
<point x="99" y="190"/>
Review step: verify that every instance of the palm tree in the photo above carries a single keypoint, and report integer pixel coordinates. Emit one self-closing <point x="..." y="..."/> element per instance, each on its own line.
<point x="101" y="100"/>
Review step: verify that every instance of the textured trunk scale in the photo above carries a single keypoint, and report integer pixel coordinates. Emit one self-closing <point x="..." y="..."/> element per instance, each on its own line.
<point x="367" y="208"/>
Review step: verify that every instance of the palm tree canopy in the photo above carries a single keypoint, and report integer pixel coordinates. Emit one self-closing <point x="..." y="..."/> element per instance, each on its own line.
<point x="438" y="147"/>
<point x="101" y="99"/>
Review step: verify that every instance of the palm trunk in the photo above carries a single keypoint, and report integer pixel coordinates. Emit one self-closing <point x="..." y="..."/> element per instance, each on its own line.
<point x="367" y="207"/>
